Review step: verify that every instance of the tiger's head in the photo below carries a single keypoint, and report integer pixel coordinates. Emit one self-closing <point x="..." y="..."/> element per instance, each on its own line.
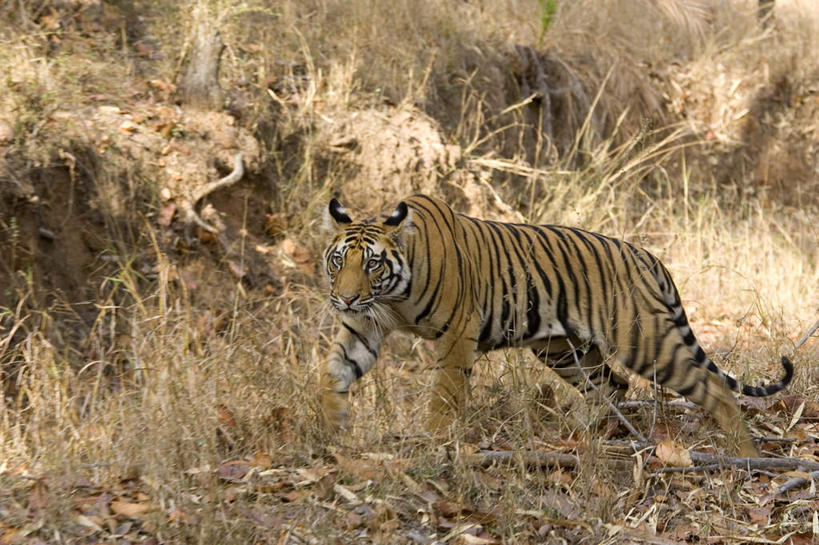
<point x="365" y="261"/>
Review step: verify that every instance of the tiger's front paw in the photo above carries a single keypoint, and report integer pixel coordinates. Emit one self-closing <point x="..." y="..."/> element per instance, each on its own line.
<point x="335" y="409"/>
<point x="441" y="417"/>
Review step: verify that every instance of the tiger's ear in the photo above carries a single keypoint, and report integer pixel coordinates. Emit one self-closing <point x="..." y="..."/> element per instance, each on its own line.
<point x="336" y="216"/>
<point x="399" y="221"/>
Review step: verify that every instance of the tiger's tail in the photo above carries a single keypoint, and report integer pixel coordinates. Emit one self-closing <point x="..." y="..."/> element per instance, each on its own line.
<point x="672" y="299"/>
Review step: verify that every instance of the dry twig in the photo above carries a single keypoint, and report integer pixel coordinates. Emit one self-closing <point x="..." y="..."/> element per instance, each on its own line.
<point x="807" y="335"/>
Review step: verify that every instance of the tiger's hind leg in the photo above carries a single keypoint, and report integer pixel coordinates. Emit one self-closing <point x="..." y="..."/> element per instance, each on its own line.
<point x="562" y="356"/>
<point x="709" y="391"/>
<point x="585" y="406"/>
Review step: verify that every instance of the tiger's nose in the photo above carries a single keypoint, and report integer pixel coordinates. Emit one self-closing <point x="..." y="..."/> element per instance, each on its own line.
<point x="348" y="299"/>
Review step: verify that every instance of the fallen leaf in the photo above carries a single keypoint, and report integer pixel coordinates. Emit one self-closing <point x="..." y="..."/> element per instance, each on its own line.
<point x="128" y="126"/>
<point x="760" y="515"/>
<point x="365" y="470"/>
<point x="261" y="518"/>
<point x="312" y="475"/>
<point x="131" y="510"/>
<point x="559" y="476"/>
<point x="346" y="493"/>
<point x="180" y="516"/>
<point x="51" y="21"/>
<point x="354" y="520"/>
<point x="6" y="132"/>
<point x="802" y="539"/>
<point x="294" y="496"/>
<point x="299" y="255"/>
<point x="9" y="536"/>
<point x="672" y="454"/>
<point x="469" y="539"/>
<point x="275" y="224"/>
<point x="93" y="522"/>
<point x="451" y="508"/>
<point x="261" y="460"/>
<point x="162" y="85"/>
<point x="225" y="416"/>
<point x="234" y="470"/>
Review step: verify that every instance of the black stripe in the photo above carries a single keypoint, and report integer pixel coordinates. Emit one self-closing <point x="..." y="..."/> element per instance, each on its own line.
<point x="582" y="273"/>
<point x="562" y="304"/>
<point x="424" y="245"/>
<point x="361" y="339"/>
<point x="351" y="362"/>
<point x="510" y="278"/>
<point x="435" y="300"/>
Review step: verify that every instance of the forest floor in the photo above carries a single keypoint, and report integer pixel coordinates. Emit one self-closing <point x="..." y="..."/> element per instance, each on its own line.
<point x="160" y="337"/>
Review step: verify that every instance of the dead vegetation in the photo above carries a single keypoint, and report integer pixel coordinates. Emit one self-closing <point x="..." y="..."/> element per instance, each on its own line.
<point x="158" y="373"/>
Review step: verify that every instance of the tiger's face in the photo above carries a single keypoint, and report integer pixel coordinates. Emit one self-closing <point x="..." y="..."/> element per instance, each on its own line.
<point x="365" y="261"/>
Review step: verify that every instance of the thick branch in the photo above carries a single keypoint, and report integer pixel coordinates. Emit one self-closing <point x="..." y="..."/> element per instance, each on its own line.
<point x="230" y="179"/>
<point x="796" y="482"/>
<point x="703" y="460"/>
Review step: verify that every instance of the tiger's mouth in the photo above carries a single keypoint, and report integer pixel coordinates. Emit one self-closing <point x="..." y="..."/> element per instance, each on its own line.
<point x="358" y="306"/>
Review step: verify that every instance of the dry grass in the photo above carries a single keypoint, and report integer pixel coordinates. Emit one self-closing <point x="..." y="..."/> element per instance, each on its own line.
<point x="192" y="393"/>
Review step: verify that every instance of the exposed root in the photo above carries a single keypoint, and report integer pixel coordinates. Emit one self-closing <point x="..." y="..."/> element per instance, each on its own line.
<point x="188" y="206"/>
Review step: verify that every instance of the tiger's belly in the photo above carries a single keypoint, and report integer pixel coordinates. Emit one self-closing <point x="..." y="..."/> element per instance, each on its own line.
<point x="522" y="337"/>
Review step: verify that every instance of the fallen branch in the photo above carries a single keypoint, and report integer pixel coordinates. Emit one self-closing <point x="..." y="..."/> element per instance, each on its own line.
<point x="528" y="457"/>
<point x="230" y="179"/>
<point x="703" y="461"/>
<point x="639" y="403"/>
<point x="691" y="469"/>
<point x="708" y="459"/>
<point x="784" y="464"/>
<point x="796" y="482"/>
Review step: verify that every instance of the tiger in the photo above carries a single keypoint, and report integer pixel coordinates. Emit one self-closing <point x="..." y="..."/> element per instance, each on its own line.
<point x="579" y="300"/>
